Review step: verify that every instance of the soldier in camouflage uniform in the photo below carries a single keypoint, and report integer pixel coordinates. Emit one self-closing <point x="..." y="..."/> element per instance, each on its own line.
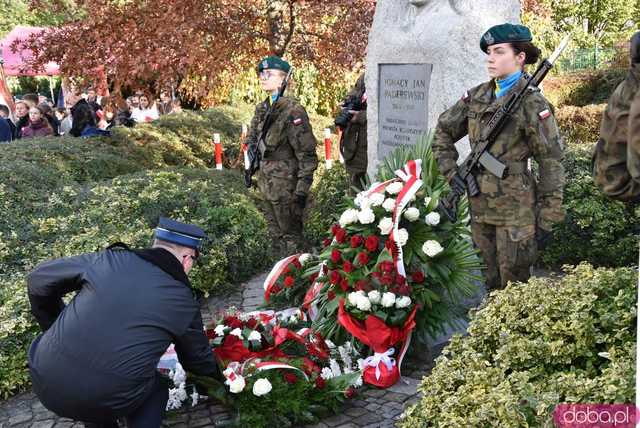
<point x="616" y="159"/>
<point x="353" y="144"/>
<point x="511" y="217"/>
<point x="288" y="152"/>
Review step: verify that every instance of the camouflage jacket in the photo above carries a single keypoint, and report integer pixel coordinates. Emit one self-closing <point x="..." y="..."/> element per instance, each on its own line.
<point x="616" y="158"/>
<point x="518" y="199"/>
<point x="354" y="138"/>
<point x="289" y="139"/>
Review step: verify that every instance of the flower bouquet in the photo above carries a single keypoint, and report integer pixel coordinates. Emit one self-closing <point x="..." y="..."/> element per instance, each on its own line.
<point x="287" y="283"/>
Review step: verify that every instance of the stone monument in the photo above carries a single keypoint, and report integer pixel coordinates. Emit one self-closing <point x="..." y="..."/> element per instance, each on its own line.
<point x="422" y="56"/>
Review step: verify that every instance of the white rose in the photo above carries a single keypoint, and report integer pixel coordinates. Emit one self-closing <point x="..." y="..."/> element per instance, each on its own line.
<point x="363" y="304"/>
<point x="432" y="248"/>
<point x="376" y="199"/>
<point x="385" y="226"/>
<point x="353" y="299"/>
<point x="261" y="387"/>
<point x="374" y="297"/>
<point x="389" y="204"/>
<point x="403" y="302"/>
<point x="237" y="332"/>
<point x="394" y="188"/>
<point x="254" y="335"/>
<point x="412" y="214"/>
<point x="366" y="216"/>
<point x="219" y="330"/>
<point x="402" y="237"/>
<point x="359" y="198"/>
<point x="348" y="217"/>
<point x="388" y="299"/>
<point x="432" y="219"/>
<point x="237" y="385"/>
<point x="304" y="258"/>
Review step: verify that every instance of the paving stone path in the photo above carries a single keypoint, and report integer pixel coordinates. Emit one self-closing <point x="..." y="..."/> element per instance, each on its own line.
<point x="370" y="408"/>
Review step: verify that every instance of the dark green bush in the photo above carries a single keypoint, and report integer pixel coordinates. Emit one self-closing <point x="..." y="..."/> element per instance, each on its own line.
<point x="534" y="346"/>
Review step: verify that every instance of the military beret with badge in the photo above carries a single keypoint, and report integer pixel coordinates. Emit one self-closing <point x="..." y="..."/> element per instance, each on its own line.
<point x="504" y="33"/>
<point x="273" y="63"/>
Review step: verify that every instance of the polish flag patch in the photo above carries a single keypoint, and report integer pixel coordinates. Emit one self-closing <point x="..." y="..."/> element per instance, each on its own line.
<point x="465" y="97"/>
<point x="544" y="114"/>
<point x="297" y="121"/>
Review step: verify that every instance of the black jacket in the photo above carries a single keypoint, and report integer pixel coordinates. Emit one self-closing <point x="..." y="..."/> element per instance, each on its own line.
<point x="129" y="307"/>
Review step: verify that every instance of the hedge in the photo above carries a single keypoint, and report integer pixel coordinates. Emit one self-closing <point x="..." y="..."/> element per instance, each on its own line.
<point x="582" y="88"/>
<point x="534" y="346"/>
<point x="580" y="125"/>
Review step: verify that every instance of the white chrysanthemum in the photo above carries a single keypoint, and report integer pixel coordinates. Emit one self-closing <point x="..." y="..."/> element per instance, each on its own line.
<point x="194" y="397"/>
<point x="389" y="204"/>
<point x="350" y="216"/>
<point x="403" y="302"/>
<point x="219" y="330"/>
<point x="330" y="344"/>
<point x="432" y="219"/>
<point x="402" y="237"/>
<point x="388" y="299"/>
<point x="412" y="214"/>
<point x="360" y="197"/>
<point x="304" y="258"/>
<point x="366" y="216"/>
<point x="363" y="304"/>
<point x="236" y="332"/>
<point x="293" y="319"/>
<point x="394" y="188"/>
<point x="255" y="335"/>
<point x="335" y="368"/>
<point x="326" y="373"/>
<point x="262" y="387"/>
<point x="360" y="363"/>
<point x="385" y="226"/>
<point x="432" y="248"/>
<point x="358" y="382"/>
<point x="376" y="199"/>
<point x="374" y="296"/>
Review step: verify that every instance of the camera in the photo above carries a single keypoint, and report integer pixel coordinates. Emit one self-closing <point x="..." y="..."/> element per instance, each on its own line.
<point x="345" y="116"/>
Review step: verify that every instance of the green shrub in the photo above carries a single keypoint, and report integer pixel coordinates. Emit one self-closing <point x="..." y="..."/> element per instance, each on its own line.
<point x="597" y="229"/>
<point x="582" y="88"/>
<point x="580" y="124"/>
<point x="534" y="346"/>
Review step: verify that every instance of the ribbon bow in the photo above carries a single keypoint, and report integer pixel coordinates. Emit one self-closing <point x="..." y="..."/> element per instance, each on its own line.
<point x="381" y="357"/>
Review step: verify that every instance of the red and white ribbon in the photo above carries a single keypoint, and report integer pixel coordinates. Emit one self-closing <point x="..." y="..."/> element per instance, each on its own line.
<point x="309" y="303"/>
<point x="218" y="151"/>
<point x="275" y="273"/>
<point x="271" y="365"/>
<point x="244" y="146"/>
<point x="381" y="358"/>
<point x="328" y="162"/>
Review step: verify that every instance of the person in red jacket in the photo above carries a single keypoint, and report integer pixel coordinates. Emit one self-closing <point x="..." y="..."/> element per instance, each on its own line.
<point x="38" y="125"/>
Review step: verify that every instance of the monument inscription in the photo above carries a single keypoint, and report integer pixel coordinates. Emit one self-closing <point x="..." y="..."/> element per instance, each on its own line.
<point x="403" y="104"/>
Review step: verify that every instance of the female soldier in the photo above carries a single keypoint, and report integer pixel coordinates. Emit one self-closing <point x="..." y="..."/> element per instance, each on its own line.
<point x="510" y="212"/>
<point x="288" y="153"/>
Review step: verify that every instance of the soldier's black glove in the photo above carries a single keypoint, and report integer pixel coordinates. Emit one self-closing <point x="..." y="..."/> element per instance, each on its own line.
<point x="543" y="237"/>
<point x="300" y="200"/>
<point x="635" y="48"/>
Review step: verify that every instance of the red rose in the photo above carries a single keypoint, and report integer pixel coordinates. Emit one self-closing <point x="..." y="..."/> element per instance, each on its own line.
<point x="320" y="383"/>
<point x="233" y="322"/>
<point x="362" y="285"/>
<point x="386" y="280"/>
<point x="400" y="280"/>
<point x="418" y="277"/>
<point x="326" y="242"/>
<point x="372" y="243"/>
<point x="291" y="378"/>
<point x="276" y="289"/>
<point x="376" y="275"/>
<point x="404" y="290"/>
<point x="335" y="228"/>
<point x="386" y="267"/>
<point x="335" y="277"/>
<point x="341" y="236"/>
<point x="252" y="323"/>
<point x="289" y="281"/>
<point x="391" y="246"/>
<point x="331" y="295"/>
<point x="336" y="256"/>
<point x="363" y="258"/>
<point x="356" y="241"/>
<point x="350" y="392"/>
<point x="347" y="266"/>
<point x="296" y="263"/>
<point x="344" y="284"/>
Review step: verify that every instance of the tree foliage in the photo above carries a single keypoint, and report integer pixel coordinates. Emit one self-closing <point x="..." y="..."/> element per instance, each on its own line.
<point x="201" y="45"/>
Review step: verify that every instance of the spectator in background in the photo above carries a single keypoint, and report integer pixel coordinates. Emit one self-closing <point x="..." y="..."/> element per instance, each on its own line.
<point x="5" y="113"/>
<point x="146" y="112"/>
<point x="6" y="135"/>
<point x="93" y="100"/>
<point x="51" y="118"/>
<point x="32" y="100"/>
<point x="72" y="97"/>
<point x="38" y="125"/>
<point x="64" y="119"/>
<point x="84" y="121"/>
<point x="176" y="107"/>
<point x="165" y="104"/>
<point x="22" y="116"/>
<point x="41" y="99"/>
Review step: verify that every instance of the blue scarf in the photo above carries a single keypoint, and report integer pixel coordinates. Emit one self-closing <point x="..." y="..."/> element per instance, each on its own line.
<point x="503" y="85"/>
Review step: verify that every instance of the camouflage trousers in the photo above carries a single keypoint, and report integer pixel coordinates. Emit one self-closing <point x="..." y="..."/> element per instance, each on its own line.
<point x="356" y="180"/>
<point x="509" y="252"/>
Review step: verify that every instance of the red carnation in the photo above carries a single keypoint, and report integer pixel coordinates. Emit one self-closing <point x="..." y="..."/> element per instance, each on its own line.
<point x="363" y="258"/>
<point x="289" y="281"/>
<point x="341" y="236"/>
<point x="356" y="241"/>
<point x="335" y="277"/>
<point x="344" y="284"/>
<point x="372" y="243"/>
<point x="252" y="323"/>
<point x="347" y="266"/>
<point x="320" y="383"/>
<point x="291" y="378"/>
<point x="418" y="277"/>
<point x="326" y="242"/>
<point x="350" y="392"/>
<point x="331" y="295"/>
<point x="336" y="256"/>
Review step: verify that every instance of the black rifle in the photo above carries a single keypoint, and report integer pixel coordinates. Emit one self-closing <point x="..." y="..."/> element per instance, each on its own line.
<point x="464" y="180"/>
<point x="254" y="151"/>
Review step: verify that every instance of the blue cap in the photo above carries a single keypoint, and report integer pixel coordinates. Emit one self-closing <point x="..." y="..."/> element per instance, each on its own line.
<point x="187" y="235"/>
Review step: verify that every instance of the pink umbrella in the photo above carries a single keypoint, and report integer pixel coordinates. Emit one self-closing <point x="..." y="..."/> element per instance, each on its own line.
<point x="15" y="63"/>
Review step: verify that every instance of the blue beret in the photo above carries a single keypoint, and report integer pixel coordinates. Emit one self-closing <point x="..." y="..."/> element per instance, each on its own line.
<point x="504" y="33"/>
<point x="273" y="63"/>
<point x="187" y="235"/>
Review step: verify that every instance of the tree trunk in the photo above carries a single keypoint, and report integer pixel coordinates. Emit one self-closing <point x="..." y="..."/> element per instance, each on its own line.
<point x="281" y="23"/>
